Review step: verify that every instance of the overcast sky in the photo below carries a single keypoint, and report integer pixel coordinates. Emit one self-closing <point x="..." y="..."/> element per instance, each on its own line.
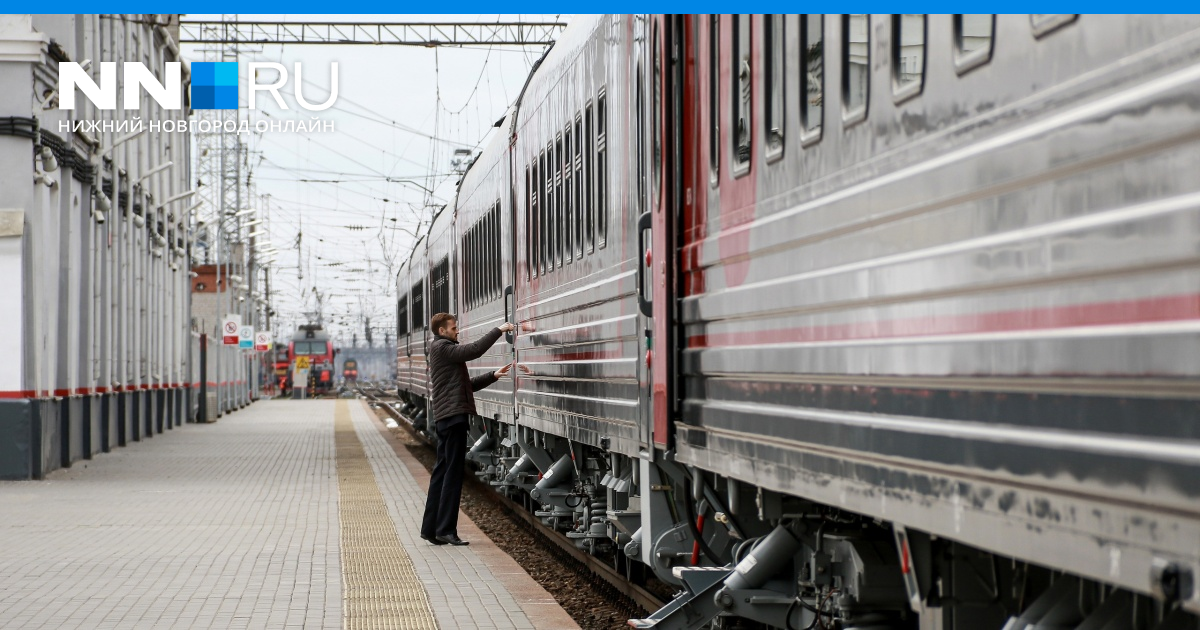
<point x="334" y="188"/>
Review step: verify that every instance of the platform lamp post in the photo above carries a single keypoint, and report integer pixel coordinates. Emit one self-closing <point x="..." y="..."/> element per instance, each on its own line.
<point x="172" y="254"/>
<point x="254" y="303"/>
<point x="195" y="363"/>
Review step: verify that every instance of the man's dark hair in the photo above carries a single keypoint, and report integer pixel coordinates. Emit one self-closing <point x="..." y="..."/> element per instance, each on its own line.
<point x="440" y="320"/>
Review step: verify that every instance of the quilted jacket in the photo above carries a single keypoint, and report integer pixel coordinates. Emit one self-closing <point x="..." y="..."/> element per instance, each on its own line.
<point x="452" y="387"/>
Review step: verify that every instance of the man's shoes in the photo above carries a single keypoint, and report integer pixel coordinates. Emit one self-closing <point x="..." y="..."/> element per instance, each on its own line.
<point x="452" y="539"/>
<point x="433" y="540"/>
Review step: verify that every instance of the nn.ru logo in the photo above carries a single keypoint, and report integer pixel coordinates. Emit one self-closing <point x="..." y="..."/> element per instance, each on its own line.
<point x="214" y="85"/>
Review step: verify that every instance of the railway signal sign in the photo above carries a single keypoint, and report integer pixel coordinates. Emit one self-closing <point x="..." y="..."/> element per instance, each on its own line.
<point x="230" y="326"/>
<point x="262" y="340"/>
<point x="246" y="337"/>
<point x="302" y="363"/>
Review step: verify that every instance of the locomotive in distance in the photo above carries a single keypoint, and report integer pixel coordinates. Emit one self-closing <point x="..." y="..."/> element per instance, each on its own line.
<point x="845" y="321"/>
<point x="312" y="342"/>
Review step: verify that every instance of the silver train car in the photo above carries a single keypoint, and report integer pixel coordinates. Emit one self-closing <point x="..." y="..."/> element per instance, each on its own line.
<point x="850" y="321"/>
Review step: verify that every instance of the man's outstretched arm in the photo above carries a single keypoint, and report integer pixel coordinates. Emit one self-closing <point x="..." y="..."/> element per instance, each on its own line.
<point x="470" y="351"/>
<point x="483" y="380"/>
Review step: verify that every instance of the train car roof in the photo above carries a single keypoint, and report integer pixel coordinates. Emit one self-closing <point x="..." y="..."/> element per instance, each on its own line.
<point x="557" y="60"/>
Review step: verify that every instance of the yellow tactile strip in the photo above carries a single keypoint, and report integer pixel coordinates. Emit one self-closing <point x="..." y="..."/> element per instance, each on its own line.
<point x="380" y="588"/>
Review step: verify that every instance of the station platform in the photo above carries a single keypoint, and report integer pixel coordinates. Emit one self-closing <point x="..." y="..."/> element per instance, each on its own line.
<point x="288" y="514"/>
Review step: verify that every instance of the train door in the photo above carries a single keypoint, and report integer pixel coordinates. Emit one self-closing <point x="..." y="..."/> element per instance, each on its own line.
<point x="667" y="189"/>
<point x="509" y="280"/>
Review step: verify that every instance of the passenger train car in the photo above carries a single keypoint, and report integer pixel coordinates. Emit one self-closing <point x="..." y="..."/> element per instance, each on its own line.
<point x="847" y="321"/>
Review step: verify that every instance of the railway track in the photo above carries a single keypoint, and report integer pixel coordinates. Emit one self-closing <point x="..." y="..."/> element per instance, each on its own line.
<point x="561" y="546"/>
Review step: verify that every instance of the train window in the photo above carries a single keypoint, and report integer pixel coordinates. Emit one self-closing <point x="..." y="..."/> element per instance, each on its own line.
<point x="973" y="36"/>
<point x="1048" y="23"/>
<point x="589" y="206"/>
<point x="812" y="79"/>
<point x="656" y="113"/>
<point x="601" y="173"/>
<point x="401" y="317"/>
<point x="470" y="262"/>
<point x="714" y="97"/>
<point x="773" y="104"/>
<point x="418" y="306"/>
<point x="740" y="94"/>
<point x="559" y="215"/>
<point x="439" y="287"/>
<point x="544" y="227"/>
<point x="856" y="66"/>
<point x="465" y="250"/>
<point x="908" y="55"/>
<point x="479" y="271"/>
<point x="536" y="222"/>
<point x="497" y="243"/>
<point x="487" y="260"/>
<point x="568" y="213"/>
<point x="484" y="256"/>
<point x="548" y="207"/>
<point x="529" y="270"/>
<point x="577" y="204"/>
<point x="477" y="261"/>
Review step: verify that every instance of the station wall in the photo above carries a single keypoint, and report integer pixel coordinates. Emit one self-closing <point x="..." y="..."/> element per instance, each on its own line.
<point x="95" y="248"/>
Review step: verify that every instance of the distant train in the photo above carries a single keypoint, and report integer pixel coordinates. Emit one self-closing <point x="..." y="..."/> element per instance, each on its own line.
<point x="280" y="366"/>
<point x="845" y="321"/>
<point x="350" y="371"/>
<point x="311" y="341"/>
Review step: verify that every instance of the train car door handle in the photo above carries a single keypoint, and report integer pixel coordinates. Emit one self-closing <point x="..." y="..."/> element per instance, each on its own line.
<point x="643" y="225"/>
<point x="508" y="293"/>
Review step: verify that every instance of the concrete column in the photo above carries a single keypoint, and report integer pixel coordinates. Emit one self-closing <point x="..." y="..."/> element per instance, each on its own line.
<point x="20" y="433"/>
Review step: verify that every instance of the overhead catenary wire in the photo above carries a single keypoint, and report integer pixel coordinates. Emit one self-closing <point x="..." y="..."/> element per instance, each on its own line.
<point x="377" y="194"/>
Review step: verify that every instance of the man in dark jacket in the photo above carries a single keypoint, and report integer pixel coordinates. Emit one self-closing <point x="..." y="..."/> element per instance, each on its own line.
<point x="453" y="403"/>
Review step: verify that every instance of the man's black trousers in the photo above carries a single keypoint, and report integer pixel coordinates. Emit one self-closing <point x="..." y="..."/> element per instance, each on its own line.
<point x="445" y="485"/>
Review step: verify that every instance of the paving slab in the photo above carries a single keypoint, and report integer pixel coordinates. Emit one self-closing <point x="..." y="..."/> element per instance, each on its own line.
<point x="507" y="597"/>
<point x="234" y="525"/>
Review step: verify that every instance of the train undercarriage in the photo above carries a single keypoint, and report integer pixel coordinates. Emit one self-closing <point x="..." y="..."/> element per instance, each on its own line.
<point x="741" y="556"/>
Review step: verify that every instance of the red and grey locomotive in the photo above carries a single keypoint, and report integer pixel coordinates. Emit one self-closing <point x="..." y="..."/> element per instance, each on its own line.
<point x="313" y="343"/>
